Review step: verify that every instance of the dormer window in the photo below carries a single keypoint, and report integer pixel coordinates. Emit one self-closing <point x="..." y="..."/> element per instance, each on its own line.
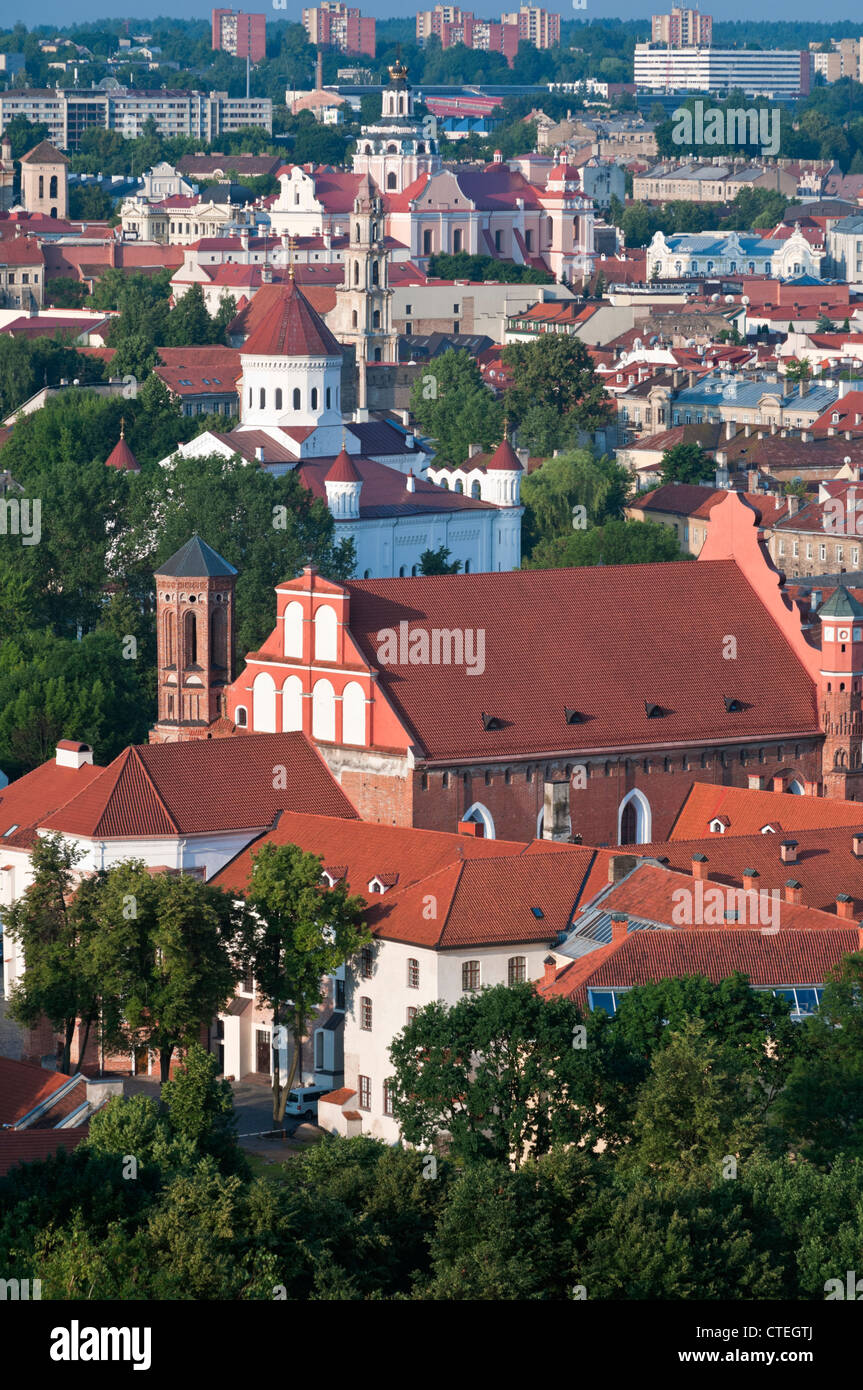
<point x="719" y="825"/>
<point x="491" y="722"/>
<point x="732" y="706"/>
<point x="653" y="711"/>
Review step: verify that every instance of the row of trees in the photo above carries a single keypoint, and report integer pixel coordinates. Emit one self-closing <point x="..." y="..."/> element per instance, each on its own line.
<point x="728" y="1169"/>
<point x="751" y="208"/>
<point x="144" y="960"/>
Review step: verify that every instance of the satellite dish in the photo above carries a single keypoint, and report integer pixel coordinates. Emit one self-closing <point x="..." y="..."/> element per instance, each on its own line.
<point x="714" y="299"/>
<point x="745" y="299"/>
<point x="729" y="299"/>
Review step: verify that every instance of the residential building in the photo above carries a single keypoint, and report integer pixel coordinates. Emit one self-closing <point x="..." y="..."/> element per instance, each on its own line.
<point x="241" y="35"/>
<point x="769" y="72"/>
<point x="451" y="25"/>
<point x="685" y="254"/>
<point x="22" y="273"/>
<point x="845" y="249"/>
<point x="335" y="25"/>
<point x="68" y="112"/>
<point x="683" y="28"/>
<point x="708" y="183"/>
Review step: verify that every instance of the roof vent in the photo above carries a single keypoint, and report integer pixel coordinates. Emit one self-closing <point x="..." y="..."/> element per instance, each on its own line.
<point x="491" y="721"/>
<point x="653" y="711"/>
<point x="573" y="716"/>
<point x="538" y="913"/>
<point x="732" y="706"/>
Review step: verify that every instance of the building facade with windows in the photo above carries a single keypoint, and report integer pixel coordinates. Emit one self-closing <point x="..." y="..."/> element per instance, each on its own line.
<point x="333" y="24"/>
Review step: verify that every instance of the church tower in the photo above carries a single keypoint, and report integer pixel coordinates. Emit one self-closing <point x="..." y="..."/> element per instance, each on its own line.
<point x="841" y="695"/>
<point x="45" y="181"/>
<point x="363" y="312"/>
<point x="398" y="147"/>
<point x="194" y="640"/>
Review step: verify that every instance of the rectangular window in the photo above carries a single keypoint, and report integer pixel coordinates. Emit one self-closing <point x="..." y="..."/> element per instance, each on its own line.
<point x="365" y="1088"/>
<point x="366" y="962"/>
<point x="517" y="970"/>
<point x="388" y="1097"/>
<point x="413" y="974"/>
<point x="366" y="1014"/>
<point x="410" y="1013"/>
<point x="470" y="975"/>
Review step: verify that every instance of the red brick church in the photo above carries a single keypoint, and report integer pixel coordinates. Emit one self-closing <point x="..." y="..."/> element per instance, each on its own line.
<point x="575" y="703"/>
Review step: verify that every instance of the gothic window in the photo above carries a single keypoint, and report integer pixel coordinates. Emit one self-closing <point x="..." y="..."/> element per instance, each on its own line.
<point x="190" y="639"/>
<point x="169" y="639"/>
<point x="628" y="825"/>
<point x="353" y="714"/>
<point x="292" y="704"/>
<point x="264" y="704"/>
<point x="325" y="622"/>
<point x="324" y="711"/>
<point x="296" y="398"/>
<point x="294" y="629"/>
<point x="278" y="398"/>
<point x="219" y="638"/>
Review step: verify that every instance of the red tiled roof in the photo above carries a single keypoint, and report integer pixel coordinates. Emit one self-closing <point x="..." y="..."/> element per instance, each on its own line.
<point x="535" y="667"/>
<point x="121" y="456"/>
<point x="23" y="1086"/>
<point x="747" y="811"/>
<point x="339" y="1097"/>
<point x="504" y="459"/>
<point x="291" y="328"/>
<point x="184" y="369"/>
<point x="343" y="470"/>
<point x="801" y="957"/>
<point x="34" y="1146"/>
<point x="20" y="250"/>
<point x="204" y="785"/>
<point x="384" y="491"/>
<point x="26" y="802"/>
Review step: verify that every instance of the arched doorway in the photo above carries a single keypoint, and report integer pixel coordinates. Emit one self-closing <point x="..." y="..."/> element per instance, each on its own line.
<point x="634" y="819"/>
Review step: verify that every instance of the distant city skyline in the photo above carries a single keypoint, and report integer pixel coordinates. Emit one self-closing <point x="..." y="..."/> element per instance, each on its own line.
<point x="146" y="11"/>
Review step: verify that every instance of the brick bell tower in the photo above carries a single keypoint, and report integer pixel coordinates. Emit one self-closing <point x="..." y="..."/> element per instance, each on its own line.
<point x="841" y="695"/>
<point x="194" y="641"/>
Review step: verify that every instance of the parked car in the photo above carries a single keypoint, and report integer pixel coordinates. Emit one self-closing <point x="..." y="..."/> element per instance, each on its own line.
<point x="304" y="1102"/>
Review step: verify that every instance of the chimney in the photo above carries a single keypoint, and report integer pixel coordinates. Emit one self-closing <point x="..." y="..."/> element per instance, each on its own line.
<point x="755" y="783"/>
<point x="266" y="274"/>
<point x="747" y="431"/>
<point x="549" y="970"/>
<point x="857" y="844"/>
<point x="410" y="483"/>
<point x="691" y="378"/>
<point x="788" y="851"/>
<point x="523" y="456"/>
<point x="619" y="865"/>
<point x="469" y="827"/>
<point x="772" y="427"/>
<point x="619" y="926"/>
<point x="779" y="782"/>
<point x="473" y="450"/>
<point x="749" y="877"/>
<point x="729" y="429"/>
<point x="72" y="754"/>
<point x="259" y="453"/>
<point x="699" y="866"/>
<point x="752" y="478"/>
<point x="792" y="503"/>
<point x="844" y="907"/>
<point x="793" y="892"/>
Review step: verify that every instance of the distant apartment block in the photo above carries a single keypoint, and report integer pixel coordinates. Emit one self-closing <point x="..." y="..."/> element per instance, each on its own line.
<point x="682" y="29"/>
<point x="334" y="25"/>
<point x="68" y="112"/>
<point x="775" y="72"/>
<point x="843" y="58"/>
<point x="241" y="35"/>
<point x="527" y="25"/>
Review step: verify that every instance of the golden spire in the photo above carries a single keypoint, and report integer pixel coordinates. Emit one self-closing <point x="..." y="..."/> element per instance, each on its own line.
<point x="506" y="427"/>
<point x="291" y="256"/>
<point x="122" y="427"/>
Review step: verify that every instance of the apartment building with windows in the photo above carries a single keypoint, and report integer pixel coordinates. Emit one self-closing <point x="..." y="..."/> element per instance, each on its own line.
<point x="779" y="73"/>
<point x="68" y="112"/>
<point x="335" y="25"/>
<point x="682" y="28"/>
<point x="241" y="35"/>
<point x="529" y="24"/>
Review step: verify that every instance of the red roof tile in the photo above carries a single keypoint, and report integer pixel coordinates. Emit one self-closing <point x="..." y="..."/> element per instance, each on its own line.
<point x="34" y="1146"/>
<point x="204" y="785"/>
<point x="535" y="667"/>
<point x="291" y="328"/>
<point x="23" y="1086"/>
<point x="747" y="811"/>
<point x="27" y="802"/>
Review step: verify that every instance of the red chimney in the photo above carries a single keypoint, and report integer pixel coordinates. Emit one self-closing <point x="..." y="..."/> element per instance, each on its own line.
<point x="793" y="892"/>
<point x="550" y="970"/>
<point x="469" y="827"/>
<point x="699" y="866"/>
<point x="779" y="782"/>
<point x="788" y="851"/>
<point x="844" y="907"/>
<point x="857" y="844"/>
<point x="619" y="926"/>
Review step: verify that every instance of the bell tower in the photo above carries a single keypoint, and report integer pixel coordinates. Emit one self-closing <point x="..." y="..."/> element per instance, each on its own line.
<point x="841" y="695"/>
<point x="194" y="640"/>
<point x="363" y="312"/>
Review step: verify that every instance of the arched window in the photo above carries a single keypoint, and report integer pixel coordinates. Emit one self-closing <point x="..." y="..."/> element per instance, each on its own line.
<point x="241" y="717"/>
<point x="52" y="187"/>
<point x="292" y="704"/>
<point x="376" y="276"/>
<point x="190" y="638"/>
<point x="278" y="398"/>
<point x="368" y="149"/>
<point x="796" y="787"/>
<point x="354" y="319"/>
<point x="41" y="186"/>
<point x="328" y="397"/>
<point x="459" y="485"/>
<point x="456" y="240"/>
<point x="354" y="714"/>
<point x="634" y="819"/>
<point x="264" y="704"/>
<point x="377" y="354"/>
<point x="376" y="319"/>
<point x="356" y="272"/>
<point x="324" y="711"/>
<point x="480" y="815"/>
<point x="168" y="629"/>
<point x="467" y="566"/>
<point x="391" y="181"/>
<point x="294" y="629"/>
<point x="263" y="398"/>
<point x="325" y="633"/>
<point x="296" y="398"/>
<point x="357" y="233"/>
<point x="475" y="489"/>
<point x="314" y="398"/>
<point x="219" y="637"/>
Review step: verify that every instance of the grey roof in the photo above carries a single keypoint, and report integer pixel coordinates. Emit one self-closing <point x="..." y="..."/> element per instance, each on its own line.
<point x="195" y="560"/>
<point x="841" y="604"/>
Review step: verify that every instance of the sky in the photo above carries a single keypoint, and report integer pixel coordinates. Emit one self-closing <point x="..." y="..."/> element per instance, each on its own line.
<point x="61" y="12"/>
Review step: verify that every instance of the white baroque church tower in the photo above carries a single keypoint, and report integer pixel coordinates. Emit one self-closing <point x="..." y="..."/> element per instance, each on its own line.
<point x="399" y="147"/>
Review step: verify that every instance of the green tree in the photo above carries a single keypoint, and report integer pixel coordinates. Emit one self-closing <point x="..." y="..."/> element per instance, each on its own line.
<point x="189" y="323"/>
<point x="201" y="1108"/>
<point x="54" y="930"/>
<point x="685" y="463"/>
<point x="295" y="934"/>
<point x="613" y="543"/>
<point x="452" y="404"/>
<point x="438" y="562"/>
<point x="574" y="490"/>
<point x="164" y="954"/>
<point x="797" y="369"/>
<point x="558" y="373"/>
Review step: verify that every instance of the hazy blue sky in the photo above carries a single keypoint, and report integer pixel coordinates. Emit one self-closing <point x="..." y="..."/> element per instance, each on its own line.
<point x="60" y="11"/>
